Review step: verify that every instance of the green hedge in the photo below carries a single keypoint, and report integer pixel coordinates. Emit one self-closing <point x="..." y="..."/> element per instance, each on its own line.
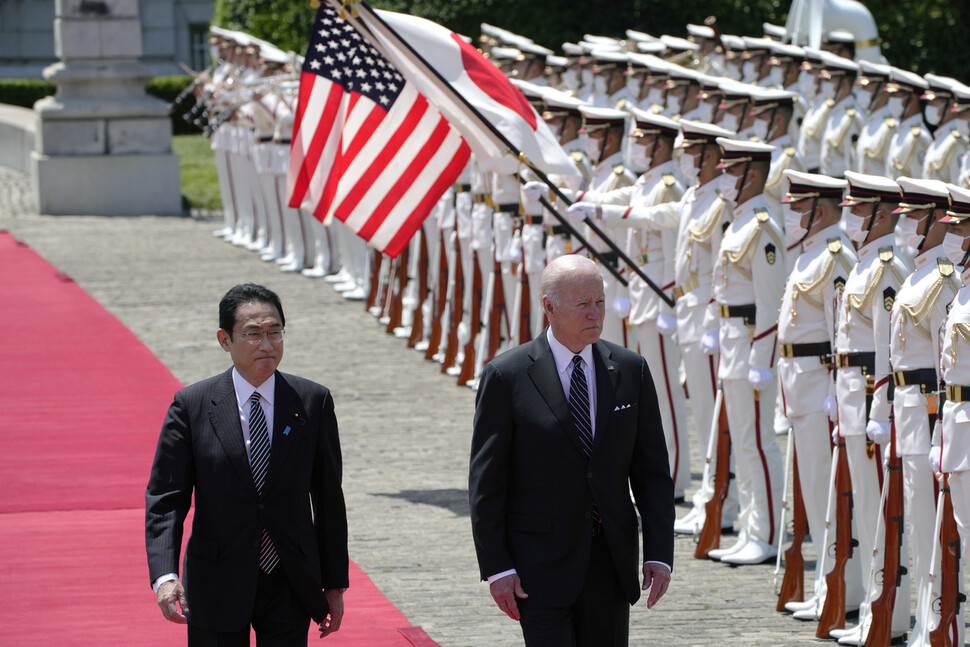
<point x="26" y="93"/>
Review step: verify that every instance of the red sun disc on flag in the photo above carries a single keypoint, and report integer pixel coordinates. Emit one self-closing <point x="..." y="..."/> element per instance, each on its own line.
<point x="493" y="83"/>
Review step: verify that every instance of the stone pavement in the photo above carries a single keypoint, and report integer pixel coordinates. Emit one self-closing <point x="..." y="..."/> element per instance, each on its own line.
<point x="405" y="427"/>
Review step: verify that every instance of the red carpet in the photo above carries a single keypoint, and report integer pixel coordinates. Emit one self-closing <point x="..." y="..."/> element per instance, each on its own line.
<point x="82" y="401"/>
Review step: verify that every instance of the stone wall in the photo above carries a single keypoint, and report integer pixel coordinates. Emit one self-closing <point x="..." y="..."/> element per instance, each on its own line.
<point x="18" y="127"/>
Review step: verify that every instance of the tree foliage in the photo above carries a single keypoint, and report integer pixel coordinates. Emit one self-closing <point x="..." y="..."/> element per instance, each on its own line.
<point x="920" y="35"/>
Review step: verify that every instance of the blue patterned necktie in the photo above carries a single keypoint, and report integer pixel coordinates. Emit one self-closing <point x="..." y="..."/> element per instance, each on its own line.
<point x="579" y="410"/>
<point x="259" y="450"/>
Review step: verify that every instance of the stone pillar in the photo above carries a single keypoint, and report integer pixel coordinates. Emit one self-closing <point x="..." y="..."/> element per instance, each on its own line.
<point x="103" y="146"/>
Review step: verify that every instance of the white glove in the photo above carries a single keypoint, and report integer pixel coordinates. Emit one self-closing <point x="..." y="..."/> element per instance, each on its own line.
<point x="709" y="342"/>
<point x="535" y="191"/>
<point x="835" y="434"/>
<point x="831" y="407"/>
<point x="935" y="458"/>
<point x="621" y="306"/>
<point x="879" y="431"/>
<point x="666" y="324"/>
<point x="579" y="211"/>
<point x="758" y="378"/>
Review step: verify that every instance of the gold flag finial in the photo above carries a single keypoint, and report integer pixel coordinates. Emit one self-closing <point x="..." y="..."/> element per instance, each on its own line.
<point x="314" y="4"/>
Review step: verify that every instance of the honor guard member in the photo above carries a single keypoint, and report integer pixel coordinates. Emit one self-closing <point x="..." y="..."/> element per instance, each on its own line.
<point x="709" y="105"/>
<point x="952" y="129"/>
<point x="636" y="79"/>
<point x="710" y="55"/>
<point x="774" y="32"/>
<point x="952" y="456"/>
<point x="862" y="358"/>
<point x="773" y="111"/>
<point x="683" y="88"/>
<point x="571" y="78"/>
<point x="755" y="69"/>
<point x="609" y="81"/>
<point x="704" y="215"/>
<point x="907" y="148"/>
<point x="531" y="63"/>
<point x="961" y="93"/>
<point x="748" y="280"/>
<point x="840" y="42"/>
<point x="872" y="149"/>
<point x="806" y="337"/>
<point x="603" y="132"/>
<point x="733" y="109"/>
<point x="918" y="314"/>
<point x="680" y="51"/>
<point x="785" y="65"/>
<point x="654" y="93"/>
<point x="643" y="219"/>
<point x="733" y="50"/>
<point x="819" y="106"/>
<point x="845" y="120"/>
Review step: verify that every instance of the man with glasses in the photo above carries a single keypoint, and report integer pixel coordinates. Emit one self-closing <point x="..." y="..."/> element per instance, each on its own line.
<point x="254" y="446"/>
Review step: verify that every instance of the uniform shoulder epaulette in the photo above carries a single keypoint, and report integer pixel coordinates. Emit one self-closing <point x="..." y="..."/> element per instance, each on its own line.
<point x="886" y="253"/>
<point x="621" y="104"/>
<point x="889" y="121"/>
<point x="669" y="179"/>
<point x="789" y="151"/>
<point x="915" y="131"/>
<point x="834" y="245"/>
<point x="850" y="112"/>
<point x="762" y="214"/>
<point x="577" y="156"/>
<point x="944" y="266"/>
<point x="753" y="138"/>
<point x="956" y="134"/>
<point x="830" y="102"/>
<point x="619" y="169"/>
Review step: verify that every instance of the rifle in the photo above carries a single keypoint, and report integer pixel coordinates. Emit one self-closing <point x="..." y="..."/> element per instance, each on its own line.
<point x="456" y="312"/>
<point x="417" y="323"/>
<point x="950" y="597"/>
<point x="397" y="282"/>
<point x="468" y="361"/>
<point x="881" y="609"/>
<point x="525" y="306"/>
<point x="833" y="611"/>
<point x="439" y="298"/>
<point x="710" y="535"/>
<point x="793" y="582"/>
<point x="495" y="315"/>
<point x="374" y="289"/>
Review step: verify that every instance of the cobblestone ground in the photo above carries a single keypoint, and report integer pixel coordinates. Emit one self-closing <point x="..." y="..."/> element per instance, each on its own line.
<point x="405" y="427"/>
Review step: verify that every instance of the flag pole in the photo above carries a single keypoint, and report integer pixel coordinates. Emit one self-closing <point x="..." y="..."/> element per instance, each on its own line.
<point x="518" y="155"/>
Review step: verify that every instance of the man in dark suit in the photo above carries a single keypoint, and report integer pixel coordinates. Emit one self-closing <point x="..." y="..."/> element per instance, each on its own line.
<point x="260" y="451"/>
<point x="558" y="445"/>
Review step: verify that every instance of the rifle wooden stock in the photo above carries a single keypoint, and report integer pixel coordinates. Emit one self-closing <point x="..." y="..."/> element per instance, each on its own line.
<point x="417" y="321"/>
<point x="950" y="573"/>
<point x="456" y="312"/>
<point x="525" y="308"/>
<point x="881" y="609"/>
<point x="833" y="611"/>
<point x="439" y="297"/>
<point x="468" y="361"/>
<point x="793" y="583"/>
<point x="374" y="287"/>
<point x="710" y="535"/>
<point x="397" y="282"/>
<point x="495" y="316"/>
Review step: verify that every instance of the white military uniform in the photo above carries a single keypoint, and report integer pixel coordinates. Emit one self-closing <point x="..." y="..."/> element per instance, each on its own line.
<point x="862" y="346"/>
<point x="872" y="149"/>
<point x="842" y="128"/>
<point x="785" y="156"/>
<point x="917" y="316"/>
<point x="907" y="149"/>
<point x="748" y="274"/>
<point x="812" y="129"/>
<point x="942" y="161"/>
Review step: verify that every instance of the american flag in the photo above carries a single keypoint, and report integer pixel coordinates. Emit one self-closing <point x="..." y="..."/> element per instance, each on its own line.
<point x="367" y="148"/>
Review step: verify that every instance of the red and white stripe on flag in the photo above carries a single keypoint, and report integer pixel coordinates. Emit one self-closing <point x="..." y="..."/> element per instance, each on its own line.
<point x="367" y="148"/>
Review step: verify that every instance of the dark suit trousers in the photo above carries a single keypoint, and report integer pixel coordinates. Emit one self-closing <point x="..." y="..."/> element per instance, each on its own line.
<point x="278" y="617"/>
<point x="599" y="618"/>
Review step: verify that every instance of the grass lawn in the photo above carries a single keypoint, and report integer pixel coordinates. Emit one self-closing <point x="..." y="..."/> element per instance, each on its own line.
<point x="200" y="184"/>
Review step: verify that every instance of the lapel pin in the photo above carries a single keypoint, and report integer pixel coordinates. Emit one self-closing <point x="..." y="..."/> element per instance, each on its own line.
<point x="286" y="432"/>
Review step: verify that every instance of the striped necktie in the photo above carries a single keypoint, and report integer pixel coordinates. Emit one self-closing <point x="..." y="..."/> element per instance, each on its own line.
<point x="580" y="412"/>
<point x="259" y="451"/>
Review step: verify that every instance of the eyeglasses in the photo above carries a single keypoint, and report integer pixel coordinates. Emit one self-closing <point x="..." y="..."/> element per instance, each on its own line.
<point x="254" y="338"/>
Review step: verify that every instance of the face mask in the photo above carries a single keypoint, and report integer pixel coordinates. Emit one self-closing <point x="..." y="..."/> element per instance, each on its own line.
<point x="827" y="90"/>
<point x="934" y="115"/>
<point x="570" y="78"/>
<point x="777" y="74"/>
<point x="897" y="105"/>
<point x="863" y="97"/>
<point x="907" y="231"/>
<point x="730" y="122"/>
<point x="793" y="224"/>
<point x="953" y="248"/>
<point x="749" y="73"/>
<point x="806" y="84"/>
<point x="854" y="228"/>
<point x="639" y="156"/>
<point x="673" y="105"/>
<point x="599" y="84"/>
<point x="728" y="187"/>
<point x="760" y="128"/>
<point x="687" y="167"/>
<point x="634" y="85"/>
<point x="214" y="52"/>
<point x="705" y="112"/>
<point x="587" y="76"/>
<point x="655" y="96"/>
<point x="591" y="147"/>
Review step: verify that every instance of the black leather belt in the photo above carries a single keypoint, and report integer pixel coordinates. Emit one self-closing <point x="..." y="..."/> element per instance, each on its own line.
<point x="609" y="258"/>
<point x="463" y="188"/>
<point x="957" y="393"/>
<point x="508" y="207"/>
<point x="822" y="350"/>
<point x="747" y="312"/>
<point x="262" y="139"/>
<point x="925" y="377"/>
<point x="528" y="220"/>
<point x="865" y="361"/>
<point x="557" y="230"/>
